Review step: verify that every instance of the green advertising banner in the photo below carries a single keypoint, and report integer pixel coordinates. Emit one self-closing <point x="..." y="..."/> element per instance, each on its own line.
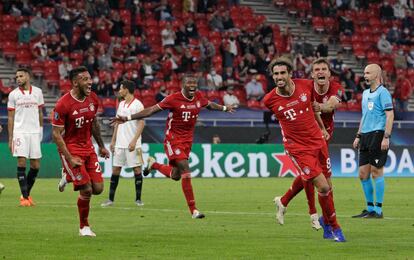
<point x="206" y="160"/>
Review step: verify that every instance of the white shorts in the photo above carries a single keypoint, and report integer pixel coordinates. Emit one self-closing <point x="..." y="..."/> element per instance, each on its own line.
<point x="26" y="145"/>
<point x="124" y="158"/>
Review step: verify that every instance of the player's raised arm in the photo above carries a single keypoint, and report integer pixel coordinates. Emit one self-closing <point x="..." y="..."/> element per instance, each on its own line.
<point x="215" y="106"/>
<point x="147" y="112"/>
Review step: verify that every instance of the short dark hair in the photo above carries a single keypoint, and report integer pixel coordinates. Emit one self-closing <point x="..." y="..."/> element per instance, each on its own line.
<point x="128" y="84"/>
<point x="189" y="77"/>
<point x="76" y="71"/>
<point x="26" y="70"/>
<point x="281" y="61"/>
<point x="321" y="61"/>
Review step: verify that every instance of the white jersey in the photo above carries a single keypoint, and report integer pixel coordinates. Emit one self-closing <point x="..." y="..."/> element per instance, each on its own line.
<point x="26" y="104"/>
<point x="127" y="130"/>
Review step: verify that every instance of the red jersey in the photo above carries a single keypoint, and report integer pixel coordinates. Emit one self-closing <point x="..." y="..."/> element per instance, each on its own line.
<point x="334" y="90"/>
<point x="183" y="116"/>
<point x="299" y="128"/>
<point x="76" y="117"/>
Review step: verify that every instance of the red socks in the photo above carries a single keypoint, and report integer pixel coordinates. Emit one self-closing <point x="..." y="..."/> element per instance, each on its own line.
<point x="296" y="187"/>
<point x="83" y="209"/>
<point x="328" y="209"/>
<point x="188" y="191"/>
<point x="310" y="196"/>
<point x="162" y="168"/>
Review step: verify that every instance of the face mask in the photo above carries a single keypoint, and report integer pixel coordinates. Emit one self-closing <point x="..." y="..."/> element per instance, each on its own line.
<point x="25" y="25"/>
<point x="49" y="17"/>
<point x="213" y="73"/>
<point x="95" y="80"/>
<point x="401" y="53"/>
<point x="87" y="37"/>
<point x="39" y="15"/>
<point x="136" y="2"/>
<point x="135" y="76"/>
<point x="254" y="80"/>
<point x="66" y="17"/>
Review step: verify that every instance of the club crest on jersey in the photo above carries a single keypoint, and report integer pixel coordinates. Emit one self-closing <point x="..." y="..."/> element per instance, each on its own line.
<point x="198" y="104"/>
<point x="303" y="97"/>
<point x="177" y="151"/>
<point x="306" y="170"/>
<point x="91" y="107"/>
<point x="280" y="108"/>
<point x="370" y="105"/>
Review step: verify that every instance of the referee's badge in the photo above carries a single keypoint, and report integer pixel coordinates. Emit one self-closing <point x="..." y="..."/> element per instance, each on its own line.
<point x="370" y="105"/>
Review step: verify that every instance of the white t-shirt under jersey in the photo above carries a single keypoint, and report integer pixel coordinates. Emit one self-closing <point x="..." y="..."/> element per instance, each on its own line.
<point x="26" y="104"/>
<point x="127" y="130"/>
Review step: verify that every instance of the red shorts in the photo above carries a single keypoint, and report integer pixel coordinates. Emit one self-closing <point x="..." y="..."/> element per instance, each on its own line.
<point x="89" y="171"/>
<point x="177" y="151"/>
<point x="311" y="163"/>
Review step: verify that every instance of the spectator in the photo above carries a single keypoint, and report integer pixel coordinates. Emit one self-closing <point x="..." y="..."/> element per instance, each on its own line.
<point x="384" y="46"/>
<point x="117" y="29"/>
<point x="108" y="87"/>
<point x="54" y="49"/>
<point x="162" y="93"/>
<point x="66" y="24"/>
<point x="189" y="6"/>
<point x="262" y="62"/>
<point x="322" y="49"/>
<point x="229" y="99"/>
<point x="214" y="80"/>
<point x="410" y="58"/>
<point x="400" y="60"/>
<point x="64" y="68"/>
<point x="52" y="26"/>
<point x="233" y="45"/>
<point x="181" y="39"/>
<point x="163" y="12"/>
<point x="91" y="64"/>
<point x="308" y="49"/>
<point x="118" y="53"/>
<point x="228" y="24"/>
<point x="105" y="58"/>
<point x="143" y="46"/>
<point x="39" y="24"/>
<point x="85" y="42"/>
<point x="25" y="33"/>
<point x="393" y="35"/>
<point x="103" y="26"/>
<point x="39" y="50"/>
<point x="228" y="56"/>
<point x="132" y="49"/>
<point x="215" y="22"/>
<point x="102" y="8"/>
<point x="206" y="6"/>
<point x="405" y="37"/>
<point x="216" y="139"/>
<point x="386" y="11"/>
<point x="346" y="26"/>
<point x="349" y="78"/>
<point x="188" y="62"/>
<point x="231" y="3"/>
<point x="242" y="70"/>
<point x="169" y="64"/>
<point x="407" y="21"/>
<point x="254" y="89"/>
<point x="146" y="71"/>
<point x="399" y="10"/>
<point x="402" y="93"/>
<point x="337" y="64"/>
<point x="207" y="52"/>
<point x="168" y="36"/>
<point x="191" y="28"/>
<point x="229" y="77"/>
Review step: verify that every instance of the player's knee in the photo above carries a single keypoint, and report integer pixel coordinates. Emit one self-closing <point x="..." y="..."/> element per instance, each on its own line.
<point x="97" y="191"/>
<point x="86" y="192"/>
<point x="176" y="176"/>
<point x="324" y="189"/>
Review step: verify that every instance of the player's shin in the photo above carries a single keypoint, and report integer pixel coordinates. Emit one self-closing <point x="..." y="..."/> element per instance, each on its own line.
<point x="328" y="209"/>
<point x="31" y="178"/>
<point x="112" y="187"/>
<point x="188" y="191"/>
<point x="21" y="177"/>
<point x="138" y="186"/>
<point x="296" y="187"/>
<point x="310" y="196"/>
<point x="83" y="209"/>
<point x="164" y="169"/>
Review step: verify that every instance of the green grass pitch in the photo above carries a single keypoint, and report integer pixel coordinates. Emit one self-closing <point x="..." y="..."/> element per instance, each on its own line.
<point x="239" y="223"/>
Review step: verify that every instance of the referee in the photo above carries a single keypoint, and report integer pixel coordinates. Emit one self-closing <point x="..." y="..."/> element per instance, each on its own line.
<point x="373" y="140"/>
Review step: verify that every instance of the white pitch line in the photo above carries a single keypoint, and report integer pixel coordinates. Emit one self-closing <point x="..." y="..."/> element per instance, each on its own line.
<point x="61" y="205"/>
